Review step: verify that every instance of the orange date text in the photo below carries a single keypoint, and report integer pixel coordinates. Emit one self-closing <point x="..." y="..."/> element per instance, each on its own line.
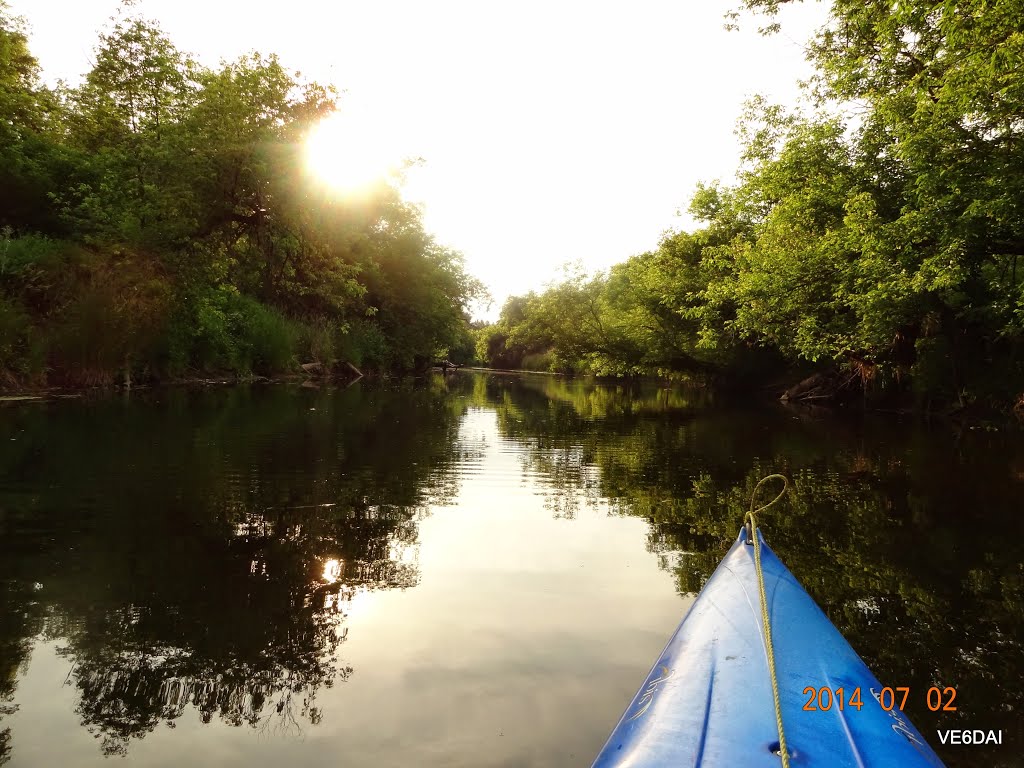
<point x="825" y="698"/>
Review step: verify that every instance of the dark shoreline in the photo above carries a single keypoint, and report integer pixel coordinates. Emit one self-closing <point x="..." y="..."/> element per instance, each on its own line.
<point x="968" y="418"/>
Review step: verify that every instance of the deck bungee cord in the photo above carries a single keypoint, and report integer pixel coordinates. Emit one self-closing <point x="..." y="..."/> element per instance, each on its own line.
<point x="751" y="522"/>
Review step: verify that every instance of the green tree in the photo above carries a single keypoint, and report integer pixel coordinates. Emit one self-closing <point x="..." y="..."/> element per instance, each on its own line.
<point x="124" y="115"/>
<point x="27" y="156"/>
<point x="935" y="219"/>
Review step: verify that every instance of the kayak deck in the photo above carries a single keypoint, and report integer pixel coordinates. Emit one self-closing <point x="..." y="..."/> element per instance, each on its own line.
<point x="707" y="702"/>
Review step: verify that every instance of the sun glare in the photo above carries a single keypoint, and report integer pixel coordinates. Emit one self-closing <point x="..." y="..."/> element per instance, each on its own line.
<point x="350" y="154"/>
<point x="332" y="570"/>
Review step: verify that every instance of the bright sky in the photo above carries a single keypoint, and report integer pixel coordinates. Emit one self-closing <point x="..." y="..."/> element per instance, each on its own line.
<point x="552" y="131"/>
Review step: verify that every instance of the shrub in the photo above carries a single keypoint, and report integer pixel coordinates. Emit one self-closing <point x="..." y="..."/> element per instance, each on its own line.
<point x="114" y="320"/>
<point x="19" y="254"/>
<point x="265" y="339"/>
<point x="43" y="273"/>
<point x="932" y="371"/>
<point x="318" y="339"/>
<point x="539" y="361"/>
<point x="364" y="345"/>
<point x="17" y="358"/>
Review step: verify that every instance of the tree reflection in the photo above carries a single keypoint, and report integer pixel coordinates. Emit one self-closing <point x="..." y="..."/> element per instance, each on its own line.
<point x="201" y="581"/>
<point x="214" y="580"/>
<point x="20" y="620"/>
<point x="908" y="538"/>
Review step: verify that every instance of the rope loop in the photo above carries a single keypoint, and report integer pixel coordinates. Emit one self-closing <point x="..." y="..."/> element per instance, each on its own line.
<point x="748" y="519"/>
<point x="751" y="523"/>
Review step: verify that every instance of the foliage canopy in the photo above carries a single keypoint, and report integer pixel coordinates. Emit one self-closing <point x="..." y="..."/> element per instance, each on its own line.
<point x="158" y="219"/>
<point x="880" y="230"/>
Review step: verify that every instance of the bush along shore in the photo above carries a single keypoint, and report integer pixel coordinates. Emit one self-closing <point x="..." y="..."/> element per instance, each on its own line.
<point x="871" y="246"/>
<point x="158" y="222"/>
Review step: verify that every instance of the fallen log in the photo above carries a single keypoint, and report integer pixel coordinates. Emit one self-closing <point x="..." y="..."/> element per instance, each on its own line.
<point x="825" y="385"/>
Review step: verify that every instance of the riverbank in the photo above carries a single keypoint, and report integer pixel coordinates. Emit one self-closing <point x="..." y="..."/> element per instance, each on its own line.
<point x="51" y="393"/>
<point x="971" y="417"/>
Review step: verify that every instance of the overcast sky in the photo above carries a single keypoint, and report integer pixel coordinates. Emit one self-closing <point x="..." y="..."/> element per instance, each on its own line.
<point x="552" y="131"/>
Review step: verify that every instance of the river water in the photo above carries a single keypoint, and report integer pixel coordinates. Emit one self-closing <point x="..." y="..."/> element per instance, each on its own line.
<point x="471" y="570"/>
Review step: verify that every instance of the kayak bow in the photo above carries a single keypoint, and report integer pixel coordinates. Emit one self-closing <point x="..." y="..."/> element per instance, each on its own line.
<point x="707" y="702"/>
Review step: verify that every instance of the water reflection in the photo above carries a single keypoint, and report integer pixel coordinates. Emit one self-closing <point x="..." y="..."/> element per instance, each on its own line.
<point x="224" y="585"/>
<point x="207" y="553"/>
<point x="910" y="538"/>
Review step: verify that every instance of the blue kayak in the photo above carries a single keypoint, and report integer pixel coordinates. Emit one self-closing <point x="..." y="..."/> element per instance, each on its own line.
<point x="707" y="703"/>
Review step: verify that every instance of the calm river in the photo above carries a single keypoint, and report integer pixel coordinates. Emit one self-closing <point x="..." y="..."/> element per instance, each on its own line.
<point x="475" y="570"/>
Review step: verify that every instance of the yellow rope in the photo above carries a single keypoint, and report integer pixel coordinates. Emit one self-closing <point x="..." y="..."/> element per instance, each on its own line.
<point x="783" y="752"/>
